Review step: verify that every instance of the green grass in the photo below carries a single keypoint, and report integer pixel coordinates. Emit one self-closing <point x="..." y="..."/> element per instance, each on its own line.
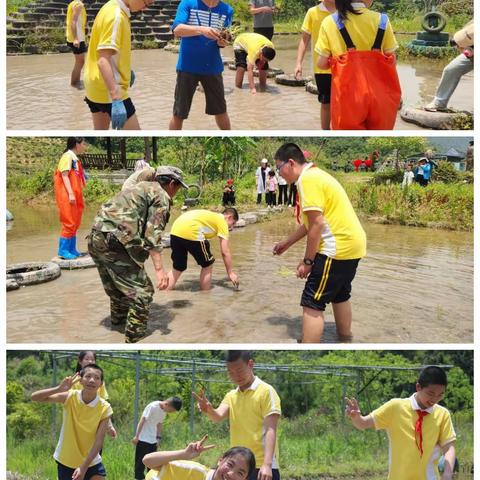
<point x="311" y="445"/>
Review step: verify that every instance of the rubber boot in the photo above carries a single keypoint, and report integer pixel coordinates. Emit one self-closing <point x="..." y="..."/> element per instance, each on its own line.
<point x="73" y="247"/>
<point x="64" y="249"/>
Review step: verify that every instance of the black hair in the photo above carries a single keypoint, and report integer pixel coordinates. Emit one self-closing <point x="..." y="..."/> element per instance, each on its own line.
<point x="290" y="150"/>
<point x="175" y="402"/>
<point x="269" y="53"/>
<point x="234" y="355"/>
<point x="81" y="356"/>
<point x="72" y="142"/>
<point x="271" y="173"/>
<point x="246" y="453"/>
<point x="95" y="367"/>
<point x="344" y="7"/>
<point x="432" y="375"/>
<point x="232" y="211"/>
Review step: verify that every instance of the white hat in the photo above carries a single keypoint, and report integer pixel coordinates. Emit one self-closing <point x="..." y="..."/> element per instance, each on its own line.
<point x="264" y="160"/>
<point x="464" y="37"/>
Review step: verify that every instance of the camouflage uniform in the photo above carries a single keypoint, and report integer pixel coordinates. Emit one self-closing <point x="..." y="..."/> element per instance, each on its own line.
<point x="124" y="231"/>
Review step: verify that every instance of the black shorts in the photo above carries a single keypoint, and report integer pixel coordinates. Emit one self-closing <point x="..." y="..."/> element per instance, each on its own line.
<point x="107" y="107"/>
<point x="65" y="473"/>
<point x="82" y="48"/>
<point x="265" y="31"/>
<point x="324" y="86"/>
<point x="241" y="59"/>
<point x="185" y="89"/>
<point x="275" y="474"/>
<point x="330" y="281"/>
<point x="200" y="251"/>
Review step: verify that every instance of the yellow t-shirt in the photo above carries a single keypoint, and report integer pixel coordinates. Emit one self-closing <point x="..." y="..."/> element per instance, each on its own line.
<point x="311" y="25"/>
<point x="247" y="411"/>
<point x="362" y="30"/>
<point x="81" y="21"/>
<point x="343" y="237"/>
<point x="66" y="161"/>
<point x="111" y="30"/>
<point x="200" y="225"/>
<point x="252" y="43"/>
<point x="398" y="417"/>
<point x="181" y="470"/>
<point x="79" y="428"/>
<point x="102" y="391"/>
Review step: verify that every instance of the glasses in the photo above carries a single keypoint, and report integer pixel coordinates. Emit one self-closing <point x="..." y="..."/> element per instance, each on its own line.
<point x="279" y="168"/>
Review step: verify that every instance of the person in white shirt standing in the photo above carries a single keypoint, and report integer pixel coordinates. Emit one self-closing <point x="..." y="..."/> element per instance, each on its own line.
<point x="408" y="176"/>
<point x="149" y="430"/>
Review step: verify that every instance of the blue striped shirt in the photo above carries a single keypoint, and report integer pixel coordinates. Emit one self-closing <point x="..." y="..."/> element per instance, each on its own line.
<point x="199" y="54"/>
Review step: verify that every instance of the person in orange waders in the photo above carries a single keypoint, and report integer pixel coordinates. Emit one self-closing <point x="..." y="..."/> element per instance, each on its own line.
<point x="69" y="181"/>
<point x="358" y="44"/>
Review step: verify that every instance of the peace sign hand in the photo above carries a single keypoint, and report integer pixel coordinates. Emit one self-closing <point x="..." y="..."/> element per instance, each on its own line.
<point x="68" y="382"/>
<point x="194" y="449"/>
<point x="351" y="408"/>
<point x="203" y="403"/>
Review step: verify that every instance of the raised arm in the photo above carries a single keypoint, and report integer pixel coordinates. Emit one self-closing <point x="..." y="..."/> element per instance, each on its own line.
<point x="352" y="410"/>
<point x="156" y="460"/>
<point x="56" y="394"/>
<point x="204" y="405"/>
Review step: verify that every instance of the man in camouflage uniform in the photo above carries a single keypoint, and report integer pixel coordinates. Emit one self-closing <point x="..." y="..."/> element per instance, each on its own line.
<point x="126" y="231"/>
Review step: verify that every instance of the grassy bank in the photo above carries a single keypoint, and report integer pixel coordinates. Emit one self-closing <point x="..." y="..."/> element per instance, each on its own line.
<point x="440" y="205"/>
<point x="311" y="446"/>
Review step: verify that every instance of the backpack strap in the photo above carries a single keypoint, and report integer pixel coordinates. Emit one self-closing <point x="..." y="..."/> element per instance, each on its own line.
<point x="343" y="32"/>
<point x="377" y="44"/>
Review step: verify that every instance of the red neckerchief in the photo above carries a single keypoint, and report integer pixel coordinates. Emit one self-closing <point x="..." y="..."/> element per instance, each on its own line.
<point x="297" y="201"/>
<point x="418" y="430"/>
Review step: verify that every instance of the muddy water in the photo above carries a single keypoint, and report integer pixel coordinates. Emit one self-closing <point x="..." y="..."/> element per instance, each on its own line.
<point x="414" y="286"/>
<point x="40" y="83"/>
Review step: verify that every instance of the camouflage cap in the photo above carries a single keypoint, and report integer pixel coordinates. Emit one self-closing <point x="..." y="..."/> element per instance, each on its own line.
<point x="172" y="172"/>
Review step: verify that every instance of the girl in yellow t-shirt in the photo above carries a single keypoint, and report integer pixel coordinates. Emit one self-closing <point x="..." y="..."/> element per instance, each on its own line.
<point x="238" y="463"/>
<point x="85" y="358"/>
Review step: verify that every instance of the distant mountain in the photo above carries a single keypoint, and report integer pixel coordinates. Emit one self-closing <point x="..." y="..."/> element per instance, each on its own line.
<point x="443" y="144"/>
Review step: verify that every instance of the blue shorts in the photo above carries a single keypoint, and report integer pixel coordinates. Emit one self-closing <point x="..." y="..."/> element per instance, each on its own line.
<point x="275" y="474"/>
<point x="65" y="473"/>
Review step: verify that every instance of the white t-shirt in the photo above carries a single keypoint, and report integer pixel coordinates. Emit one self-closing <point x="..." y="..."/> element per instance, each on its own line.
<point x="153" y="414"/>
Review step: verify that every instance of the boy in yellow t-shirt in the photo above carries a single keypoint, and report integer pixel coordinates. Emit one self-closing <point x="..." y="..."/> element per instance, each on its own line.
<point x="253" y="410"/>
<point x="419" y="430"/>
<point x="108" y="74"/>
<point x="252" y="49"/>
<point x="336" y="242"/>
<point x="85" y="421"/>
<point x="75" y="33"/>
<point x="323" y="77"/>
<point x="190" y="234"/>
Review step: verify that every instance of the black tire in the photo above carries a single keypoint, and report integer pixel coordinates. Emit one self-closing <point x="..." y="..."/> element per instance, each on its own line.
<point x="290" y="80"/>
<point x="436" y="16"/>
<point x="32" y="273"/>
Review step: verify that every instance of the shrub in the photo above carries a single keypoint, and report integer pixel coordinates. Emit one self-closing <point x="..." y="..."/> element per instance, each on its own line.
<point x="25" y="421"/>
<point x="387" y="176"/>
<point x="15" y="395"/>
<point x="445" y="172"/>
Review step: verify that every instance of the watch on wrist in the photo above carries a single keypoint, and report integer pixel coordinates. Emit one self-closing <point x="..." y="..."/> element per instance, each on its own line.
<point x="308" y="261"/>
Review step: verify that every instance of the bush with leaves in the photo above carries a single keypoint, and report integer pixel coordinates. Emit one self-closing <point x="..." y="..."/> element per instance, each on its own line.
<point x="27" y="420"/>
<point x="389" y="175"/>
<point x="445" y="172"/>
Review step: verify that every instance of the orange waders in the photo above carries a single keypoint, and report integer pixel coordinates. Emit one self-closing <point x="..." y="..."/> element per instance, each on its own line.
<point x="365" y="87"/>
<point x="70" y="214"/>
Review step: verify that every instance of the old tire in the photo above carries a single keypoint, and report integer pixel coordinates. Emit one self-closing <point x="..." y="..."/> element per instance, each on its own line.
<point x="290" y="80"/>
<point x="85" y="261"/>
<point x="311" y="87"/>
<point x="436" y="16"/>
<point x="31" y="273"/>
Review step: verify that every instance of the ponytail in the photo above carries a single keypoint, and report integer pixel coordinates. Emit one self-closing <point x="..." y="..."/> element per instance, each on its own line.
<point x="344" y="7"/>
